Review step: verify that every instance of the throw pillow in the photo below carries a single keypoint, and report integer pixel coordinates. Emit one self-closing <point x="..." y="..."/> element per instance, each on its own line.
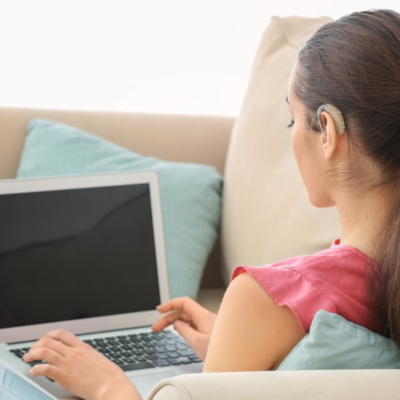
<point x="334" y="343"/>
<point x="190" y="193"/>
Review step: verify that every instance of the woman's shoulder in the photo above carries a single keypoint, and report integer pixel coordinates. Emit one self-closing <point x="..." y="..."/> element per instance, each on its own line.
<point x="332" y="280"/>
<point x="337" y="258"/>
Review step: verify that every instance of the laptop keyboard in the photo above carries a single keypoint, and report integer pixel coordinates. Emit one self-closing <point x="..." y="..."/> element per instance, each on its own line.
<point x="139" y="351"/>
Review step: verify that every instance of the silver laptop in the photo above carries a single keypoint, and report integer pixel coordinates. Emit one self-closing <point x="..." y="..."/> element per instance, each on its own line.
<point x="87" y="253"/>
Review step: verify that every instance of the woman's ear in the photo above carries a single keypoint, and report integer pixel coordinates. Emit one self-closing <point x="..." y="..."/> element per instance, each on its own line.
<point x="329" y="137"/>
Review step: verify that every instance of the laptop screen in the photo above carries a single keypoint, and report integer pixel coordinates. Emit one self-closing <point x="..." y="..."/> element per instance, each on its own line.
<point x="76" y="253"/>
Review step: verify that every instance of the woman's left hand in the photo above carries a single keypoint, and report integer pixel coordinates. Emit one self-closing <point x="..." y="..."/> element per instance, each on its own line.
<point x="78" y="368"/>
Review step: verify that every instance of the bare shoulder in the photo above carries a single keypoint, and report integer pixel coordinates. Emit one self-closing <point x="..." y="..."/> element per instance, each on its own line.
<point x="251" y="333"/>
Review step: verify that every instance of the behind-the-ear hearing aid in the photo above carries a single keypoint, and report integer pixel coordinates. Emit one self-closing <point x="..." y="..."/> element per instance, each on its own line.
<point x="337" y="117"/>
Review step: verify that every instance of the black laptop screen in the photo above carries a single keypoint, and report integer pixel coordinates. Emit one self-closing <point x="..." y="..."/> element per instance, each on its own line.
<point x="77" y="253"/>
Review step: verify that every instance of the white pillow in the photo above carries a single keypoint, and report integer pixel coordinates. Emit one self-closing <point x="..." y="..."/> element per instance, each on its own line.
<point x="267" y="216"/>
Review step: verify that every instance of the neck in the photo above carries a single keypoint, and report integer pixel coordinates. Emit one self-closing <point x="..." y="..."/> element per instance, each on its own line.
<point x="363" y="217"/>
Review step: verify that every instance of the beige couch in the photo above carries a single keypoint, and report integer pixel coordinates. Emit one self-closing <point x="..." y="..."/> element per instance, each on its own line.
<point x="266" y="213"/>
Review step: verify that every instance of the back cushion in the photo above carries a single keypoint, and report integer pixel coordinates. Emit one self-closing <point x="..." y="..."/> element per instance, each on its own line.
<point x="267" y="216"/>
<point x="334" y="343"/>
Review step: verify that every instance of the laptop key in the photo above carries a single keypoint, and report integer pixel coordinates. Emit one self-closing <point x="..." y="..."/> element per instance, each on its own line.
<point x="135" y="366"/>
<point x="33" y="363"/>
<point x="196" y="360"/>
<point x="185" y="360"/>
<point x="186" y="353"/>
<point x="162" y="355"/>
<point x="170" y="347"/>
<point x="170" y="335"/>
<point x="161" y="363"/>
<point x="173" y="354"/>
<point x="182" y="341"/>
<point x="173" y="361"/>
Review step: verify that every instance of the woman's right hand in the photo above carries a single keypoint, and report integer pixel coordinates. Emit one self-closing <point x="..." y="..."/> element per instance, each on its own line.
<point x="192" y="321"/>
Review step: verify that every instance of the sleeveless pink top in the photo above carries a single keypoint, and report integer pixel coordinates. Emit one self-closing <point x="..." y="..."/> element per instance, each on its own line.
<point x="332" y="280"/>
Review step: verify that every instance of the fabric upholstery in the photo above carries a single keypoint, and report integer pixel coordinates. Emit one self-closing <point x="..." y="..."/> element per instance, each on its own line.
<point x="282" y="385"/>
<point x="334" y="343"/>
<point x="186" y="138"/>
<point x="267" y="216"/>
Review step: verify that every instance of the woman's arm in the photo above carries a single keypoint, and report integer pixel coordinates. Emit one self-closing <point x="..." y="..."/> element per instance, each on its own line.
<point x="251" y="333"/>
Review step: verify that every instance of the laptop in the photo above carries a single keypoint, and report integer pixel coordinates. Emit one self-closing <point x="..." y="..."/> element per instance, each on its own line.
<point x="87" y="254"/>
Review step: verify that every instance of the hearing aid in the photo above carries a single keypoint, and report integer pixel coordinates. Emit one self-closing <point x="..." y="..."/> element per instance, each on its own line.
<point x="337" y="117"/>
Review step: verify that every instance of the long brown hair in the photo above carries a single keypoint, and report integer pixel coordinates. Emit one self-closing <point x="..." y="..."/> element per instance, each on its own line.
<point x="354" y="64"/>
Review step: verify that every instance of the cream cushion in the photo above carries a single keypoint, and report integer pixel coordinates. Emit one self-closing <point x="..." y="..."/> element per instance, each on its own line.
<point x="267" y="216"/>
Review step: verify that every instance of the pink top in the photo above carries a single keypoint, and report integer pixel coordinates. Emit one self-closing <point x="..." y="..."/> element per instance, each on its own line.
<point x="332" y="280"/>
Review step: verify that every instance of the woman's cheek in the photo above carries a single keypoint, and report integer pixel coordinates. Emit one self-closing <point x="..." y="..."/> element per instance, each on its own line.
<point x="305" y="163"/>
<point x="298" y="152"/>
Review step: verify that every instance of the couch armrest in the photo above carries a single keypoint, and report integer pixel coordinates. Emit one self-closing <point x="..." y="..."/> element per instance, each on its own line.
<point x="282" y="385"/>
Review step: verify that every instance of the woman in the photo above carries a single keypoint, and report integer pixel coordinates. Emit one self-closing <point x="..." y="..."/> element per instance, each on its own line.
<point x="344" y="101"/>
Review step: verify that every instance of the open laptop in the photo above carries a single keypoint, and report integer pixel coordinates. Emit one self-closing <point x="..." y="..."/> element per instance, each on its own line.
<point x="87" y="253"/>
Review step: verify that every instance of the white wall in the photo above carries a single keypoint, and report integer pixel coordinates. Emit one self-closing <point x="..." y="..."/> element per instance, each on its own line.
<point x="170" y="56"/>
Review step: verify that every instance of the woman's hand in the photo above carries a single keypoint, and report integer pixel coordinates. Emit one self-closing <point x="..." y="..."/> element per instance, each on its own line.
<point x="197" y="326"/>
<point x="78" y="368"/>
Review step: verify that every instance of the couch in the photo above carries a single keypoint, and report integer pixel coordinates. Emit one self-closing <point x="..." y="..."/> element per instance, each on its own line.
<point x="266" y="213"/>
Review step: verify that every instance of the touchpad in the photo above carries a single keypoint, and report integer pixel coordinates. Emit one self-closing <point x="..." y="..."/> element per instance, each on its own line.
<point x="144" y="383"/>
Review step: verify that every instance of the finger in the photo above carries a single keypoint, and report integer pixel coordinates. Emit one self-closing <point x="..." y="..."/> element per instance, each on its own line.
<point x="188" y="333"/>
<point x="45" y="354"/>
<point x="51" y="344"/>
<point x="50" y="371"/>
<point x="68" y="338"/>
<point x="172" y="317"/>
<point x="183" y="303"/>
<point x="169" y="319"/>
<point x="163" y="322"/>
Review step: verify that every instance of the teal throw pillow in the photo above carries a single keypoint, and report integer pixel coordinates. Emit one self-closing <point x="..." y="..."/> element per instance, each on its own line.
<point x="190" y="193"/>
<point x="334" y="343"/>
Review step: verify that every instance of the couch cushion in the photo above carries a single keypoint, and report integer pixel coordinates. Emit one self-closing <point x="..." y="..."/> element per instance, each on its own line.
<point x="267" y="216"/>
<point x="190" y="193"/>
<point x="334" y="343"/>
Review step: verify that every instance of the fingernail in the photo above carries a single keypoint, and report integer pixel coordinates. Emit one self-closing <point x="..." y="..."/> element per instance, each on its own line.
<point x="24" y="356"/>
<point x="158" y="306"/>
<point x="30" y="372"/>
<point x="178" y="324"/>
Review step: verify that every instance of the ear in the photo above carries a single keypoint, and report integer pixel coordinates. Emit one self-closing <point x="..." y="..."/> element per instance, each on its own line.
<point x="329" y="145"/>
